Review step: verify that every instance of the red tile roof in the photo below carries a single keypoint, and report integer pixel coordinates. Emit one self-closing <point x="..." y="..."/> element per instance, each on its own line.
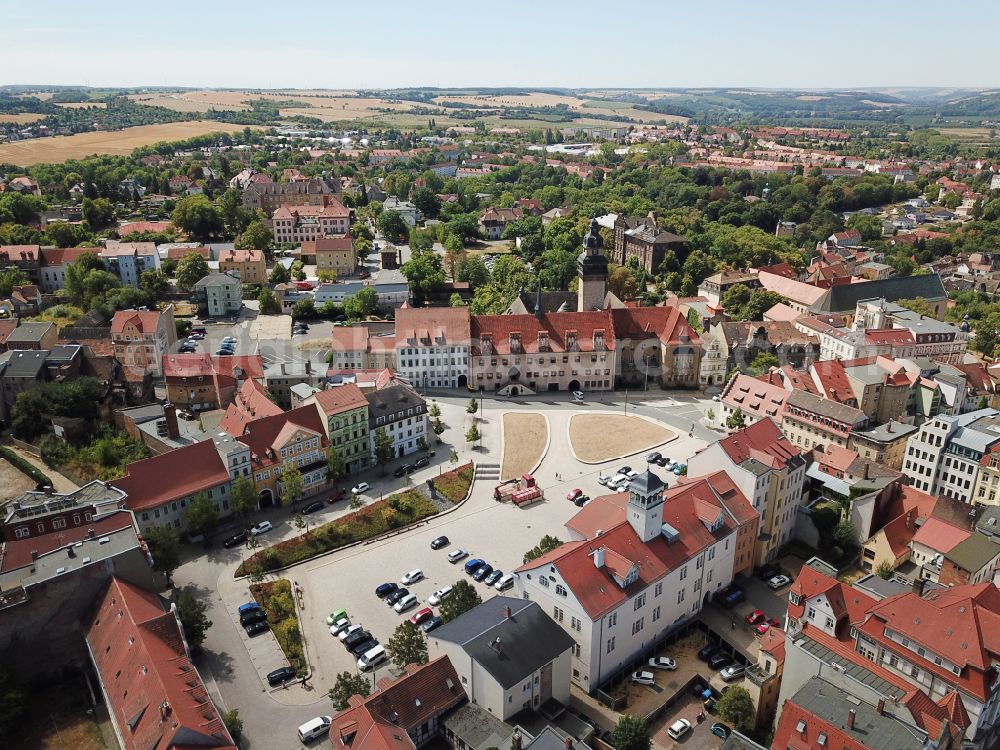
<point x="762" y="441"/>
<point x="179" y="473"/>
<point x="16" y="553"/>
<point x="155" y="694"/>
<point x="177" y="253"/>
<point x="755" y="397"/>
<point x="7" y="326"/>
<point x="241" y="256"/>
<point x="844" y="600"/>
<point x="225" y="369"/>
<point x="351" y="339"/>
<point x="266" y="434"/>
<point x="10" y="253"/>
<point x="145" y="320"/>
<point x="251" y="402"/>
<point x="889" y="337"/>
<point x="59" y="256"/>
<point x="667" y="324"/>
<point x="940" y="536"/>
<point x="834" y="459"/>
<point x="328" y="244"/>
<point x="333" y="209"/>
<point x="382" y="720"/>
<point x="557" y="327"/>
<point x="340" y="399"/>
<point x="833" y="382"/>
<point x="425" y="324"/>
<point x="144" y="226"/>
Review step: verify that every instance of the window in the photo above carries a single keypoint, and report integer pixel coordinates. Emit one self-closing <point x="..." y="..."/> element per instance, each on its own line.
<point x="658" y="589"/>
<point x="639" y="602"/>
<point x="560" y="589"/>
<point x="638" y="625"/>
<point x="612" y="619"/>
<point x="575" y="623"/>
<point x="611" y="644"/>
<point x="656" y="613"/>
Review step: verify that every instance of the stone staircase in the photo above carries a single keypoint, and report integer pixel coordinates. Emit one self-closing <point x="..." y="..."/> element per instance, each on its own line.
<point x="488" y="472"/>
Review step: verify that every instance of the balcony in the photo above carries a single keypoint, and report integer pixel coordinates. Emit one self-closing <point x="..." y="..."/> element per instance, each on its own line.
<point x="757" y="676"/>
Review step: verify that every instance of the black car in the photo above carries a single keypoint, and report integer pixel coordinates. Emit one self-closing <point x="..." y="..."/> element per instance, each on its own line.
<point x="769" y="571"/>
<point x="186" y="349"/>
<point x="431" y="624"/>
<point x="404" y="469"/>
<point x="251" y="616"/>
<point x="581" y="501"/>
<point x="312" y="508"/>
<point x="396" y="595"/>
<point x="483" y="571"/>
<point x="355" y="638"/>
<point x="708" y="651"/>
<point x="363" y="647"/>
<point x="421" y="462"/>
<point x="654" y="457"/>
<point x="385" y="589"/>
<point x="235" y="540"/>
<point x="661" y="461"/>
<point x="441" y="541"/>
<point x="493" y="577"/>
<point x="256" y="628"/>
<point x="280" y="676"/>
<point x="719" y="661"/>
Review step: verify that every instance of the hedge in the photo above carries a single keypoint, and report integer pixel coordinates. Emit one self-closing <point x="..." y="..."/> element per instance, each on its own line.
<point x="25" y="467"/>
<point x="277" y="600"/>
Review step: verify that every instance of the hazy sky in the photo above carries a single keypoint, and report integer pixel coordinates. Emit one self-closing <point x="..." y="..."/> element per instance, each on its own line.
<point x="580" y="43"/>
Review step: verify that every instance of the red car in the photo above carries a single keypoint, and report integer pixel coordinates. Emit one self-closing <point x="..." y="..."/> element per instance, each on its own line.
<point x="754" y="617"/>
<point x="573" y="495"/>
<point x="420" y="615"/>
<point x="335" y="497"/>
<point x="303" y="286"/>
<point x="764" y="626"/>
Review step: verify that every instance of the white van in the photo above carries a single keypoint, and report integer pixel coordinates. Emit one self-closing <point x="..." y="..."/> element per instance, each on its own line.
<point x="504" y="583"/>
<point x="371" y="658"/>
<point x="315" y="728"/>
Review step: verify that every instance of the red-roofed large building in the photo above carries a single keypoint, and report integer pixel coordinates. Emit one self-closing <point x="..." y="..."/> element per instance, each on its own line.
<point x="160" y="489"/>
<point x="769" y="471"/>
<point x="55" y="261"/>
<point x="252" y="402"/>
<point x="298" y="224"/>
<point x="155" y="696"/>
<point x="754" y="398"/>
<point x="344" y="411"/>
<point x="142" y="337"/>
<point x="639" y="564"/>
<point x="354" y="348"/>
<point x="202" y="381"/>
<point x="432" y="346"/>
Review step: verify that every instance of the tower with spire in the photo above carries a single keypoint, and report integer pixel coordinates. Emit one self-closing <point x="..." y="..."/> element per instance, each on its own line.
<point x="592" y="268"/>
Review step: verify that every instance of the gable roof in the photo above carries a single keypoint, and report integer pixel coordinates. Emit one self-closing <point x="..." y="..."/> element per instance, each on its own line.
<point x="557" y="327"/>
<point x="263" y="435"/>
<point x="145" y="320"/>
<point x="155" y="694"/>
<point x="182" y="472"/>
<point x="340" y="399"/>
<point x="252" y="402"/>
<point x="755" y="397"/>
<point x="508" y="646"/>
<point x="762" y="441"/>
<point x="426" y="324"/>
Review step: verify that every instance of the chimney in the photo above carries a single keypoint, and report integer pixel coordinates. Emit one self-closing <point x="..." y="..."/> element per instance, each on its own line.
<point x="881" y="707"/>
<point x="569" y="743"/>
<point x="599" y="558"/>
<point x="506" y="613"/>
<point x="515" y="741"/>
<point x="70" y="551"/>
<point x="851" y="715"/>
<point x="170" y="414"/>
<point x="918" y="586"/>
<point x="308" y="366"/>
<point x="91" y="533"/>
<point x="34" y="554"/>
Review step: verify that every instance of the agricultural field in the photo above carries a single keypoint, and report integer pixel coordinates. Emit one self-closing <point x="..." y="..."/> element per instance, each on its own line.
<point x="194" y="101"/>
<point x="22" y="118"/>
<point x="534" y="99"/>
<point x="970" y="135"/>
<point x="118" y="142"/>
<point x="622" y="109"/>
<point x="82" y="105"/>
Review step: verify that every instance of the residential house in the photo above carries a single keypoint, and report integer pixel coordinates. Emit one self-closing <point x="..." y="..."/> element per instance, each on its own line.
<point x="354" y="348"/>
<point x="336" y="255"/>
<point x="298" y="224"/>
<point x="973" y="560"/>
<point x="884" y="444"/>
<point x="409" y="213"/>
<point x="35" y="514"/>
<point x="753" y="398"/>
<point x="808" y="420"/>
<point x="128" y="260"/>
<point x="509" y="655"/>
<point x="640" y="565"/>
<point x="344" y="410"/>
<point x="34" y="336"/>
<point x="246" y="265"/>
<point x="26" y="258"/>
<point x="281" y="376"/>
<point x="151" y="689"/>
<point x="642" y="239"/>
<point x="654" y="344"/>
<point x="433" y="346"/>
<point x="408" y="709"/>
<point x="944" y="456"/>
<point x="401" y="413"/>
<point x="296" y="438"/>
<point x="200" y="382"/>
<point x="251" y="402"/>
<point x="763" y="679"/>
<point x="268" y="196"/>
<point x="219" y="294"/>
<point x="55" y="261"/>
<point x="769" y="472"/>
<point x="20" y="371"/>
<point x="714" y="287"/>
<point x="161" y="488"/>
<point x="492" y="221"/>
<point x="743" y="341"/>
<point x="142" y="337"/>
<point x="391" y="289"/>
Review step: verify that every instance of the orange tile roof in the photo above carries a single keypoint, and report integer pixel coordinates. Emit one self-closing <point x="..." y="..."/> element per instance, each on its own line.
<point x="179" y="473"/>
<point x="423" y="323"/>
<point x="145" y="320"/>
<point x="755" y="397"/>
<point x="340" y="399"/>
<point x="252" y="402"/>
<point x="263" y="435"/>
<point x="762" y="441"/>
<point x="666" y="323"/>
<point x="833" y="381"/>
<point x="328" y="244"/>
<point x="940" y="536"/>
<point x="557" y="327"/>
<point x="155" y="694"/>
<point x="58" y="256"/>
<point x="19" y="252"/>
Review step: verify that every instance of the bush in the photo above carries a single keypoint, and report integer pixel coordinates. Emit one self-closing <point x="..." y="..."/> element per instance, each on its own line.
<point x="455" y="484"/>
<point x="24" y="467"/>
<point x="372" y="520"/>
<point x="275" y="598"/>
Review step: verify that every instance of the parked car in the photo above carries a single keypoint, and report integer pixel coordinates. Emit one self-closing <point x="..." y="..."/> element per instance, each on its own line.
<point x="199" y="330"/>
<point x="708" y="651"/>
<point x="720" y="730"/>
<point x="364" y="646"/>
<point x="412" y="576"/>
<point x="765" y="626"/>
<point x="578" y="396"/>
<point x="504" y="583"/>
<point x="626" y="471"/>
<point x="574" y="494"/>
<point x="335" y="497"/>
<point x="457" y="554"/>
<point x="261" y="528"/>
<point x="256" y="627"/>
<point x="340" y="626"/>
<point x="643" y="678"/>
<point x="679" y="728"/>
<point x="401" y="470"/>
<point x="235" y="540"/>
<point x="362" y="487"/>
<point x="280" y="676"/>
<point x="719" y="661"/>
<point x="663" y="461"/>
<point x="247" y="607"/>
<point x="473" y="565"/>
<point x="421" y="462"/>
<point x="224" y="352"/>
<point x="396" y="595"/>
<point x="734" y="596"/>
<point x="347" y="632"/>
<point x="654" y="457"/>
<point x="336" y="615"/>
<point x="312" y="508"/>
<point x="733" y="672"/>
<point x="778" y="581"/>
<point x="431" y="624"/>
<point x="383" y="590"/>
<point x="493" y="577"/>
<point x="754" y="617"/>
<point x="482" y="572"/>
<point x="603" y="479"/>
<point x="581" y="501"/>
<point x="186" y="349"/>
<point x="441" y="541"/>
<point x="358" y="636"/>
<point x="252" y="615"/>
<point x="421" y="615"/>
<point x="769" y="571"/>
<point x="437" y="596"/>
<point x="408" y="601"/>
<point x="662" y="662"/>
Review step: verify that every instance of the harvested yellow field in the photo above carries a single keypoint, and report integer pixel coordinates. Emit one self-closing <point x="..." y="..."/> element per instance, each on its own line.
<point x="21" y="118"/>
<point x="534" y="99"/>
<point x="325" y="105"/>
<point x="969" y="134"/>
<point x="811" y="98"/>
<point x="118" y="142"/>
<point x="82" y="105"/>
<point x="194" y="101"/>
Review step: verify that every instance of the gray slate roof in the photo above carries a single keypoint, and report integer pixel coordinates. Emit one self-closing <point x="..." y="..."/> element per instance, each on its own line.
<point x="23" y="363"/>
<point x="28" y="333"/>
<point x="825" y="407"/>
<point x="529" y="639"/>
<point x="845" y="297"/>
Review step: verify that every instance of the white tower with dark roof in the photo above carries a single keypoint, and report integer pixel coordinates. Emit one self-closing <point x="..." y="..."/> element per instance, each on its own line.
<point x="645" y="505"/>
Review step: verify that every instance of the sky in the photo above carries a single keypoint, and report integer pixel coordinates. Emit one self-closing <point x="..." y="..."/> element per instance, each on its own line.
<point x="537" y="43"/>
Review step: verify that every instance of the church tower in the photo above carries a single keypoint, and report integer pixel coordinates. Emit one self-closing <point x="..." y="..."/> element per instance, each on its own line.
<point x="645" y="505"/>
<point x="592" y="267"/>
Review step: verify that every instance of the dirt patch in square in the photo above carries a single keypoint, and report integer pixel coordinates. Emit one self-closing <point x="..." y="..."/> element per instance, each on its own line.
<point x="525" y="437"/>
<point x="596" y="438"/>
